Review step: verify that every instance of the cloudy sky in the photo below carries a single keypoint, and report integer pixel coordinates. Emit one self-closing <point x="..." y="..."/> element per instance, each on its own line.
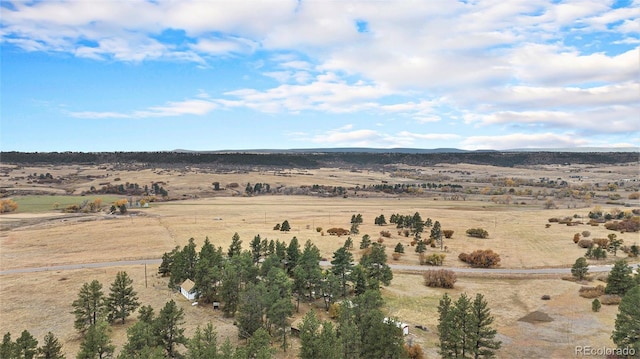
<point x="211" y="75"/>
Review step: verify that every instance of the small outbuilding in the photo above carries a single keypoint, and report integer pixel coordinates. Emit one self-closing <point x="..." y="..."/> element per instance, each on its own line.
<point x="187" y="288"/>
<point x="403" y="326"/>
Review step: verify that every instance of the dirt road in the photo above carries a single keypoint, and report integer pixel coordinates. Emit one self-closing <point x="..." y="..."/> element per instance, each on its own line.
<point x="398" y="267"/>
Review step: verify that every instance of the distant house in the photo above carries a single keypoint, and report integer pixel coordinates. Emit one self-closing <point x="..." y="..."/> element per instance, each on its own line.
<point x="187" y="289"/>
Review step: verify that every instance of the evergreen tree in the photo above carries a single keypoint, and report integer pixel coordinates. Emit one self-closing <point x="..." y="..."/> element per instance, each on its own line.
<point x="256" y="248"/>
<point x="204" y="344"/>
<point x="26" y="346"/>
<point x="436" y="234"/>
<point x="366" y="242"/>
<point x="285" y="227"/>
<point x="96" y="343"/>
<point x="7" y="346"/>
<point x="141" y="337"/>
<point x="614" y="244"/>
<point x="596" y="305"/>
<point x="167" y="258"/>
<point x="627" y="327"/>
<point x="169" y="333"/>
<point x="293" y="253"/>
<point x="341" y="266"/>
<point x="445" y="328"/>
<point x="50" y="349"/>
<point x="89" y="307"/>
<point x="376" y="267"/>
<point x="236" y="246"/>
<point x="421" y="246"/>
<point x="482" y="335"/>
<point x="580" y="269"/>
<point x="359" y="278"/>
<point x="309" y="341"/>
<point x="620" y="278"/>
<point x="122" y="299"/>
<point x="309" y="262"/>
<point x="259" y="346"/>
<point x="399" y="248"/>
<point x="251" y="309"/>
<point x="230" y="288"/>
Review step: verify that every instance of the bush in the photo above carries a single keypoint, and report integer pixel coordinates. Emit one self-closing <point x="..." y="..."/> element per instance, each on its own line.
<point x="447" y="233"/>
<point x="396" y="255"/>
<point x="585" y="243"/>
<point x="481" y="258"/>
<point x="8" y="205"/>
<point x="576" y="238"/>
<point x="553" y="220"/>
<point x="318" y="229"/>
<point x="435" y="259"/>
<point x="337" y="231"/>
<point x="601" y="242"/>
<point x="591" y="292"/>
<point x="634" y="195"/>
<point x="385" y="234"/>
<point x="477" y="232"/>
<point x="586" y="234"/>
<point x="442" y="278"/>
<point x="611" y="299"/>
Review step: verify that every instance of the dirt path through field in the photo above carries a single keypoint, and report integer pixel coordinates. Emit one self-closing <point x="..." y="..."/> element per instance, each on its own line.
<point x="400" y="267"/>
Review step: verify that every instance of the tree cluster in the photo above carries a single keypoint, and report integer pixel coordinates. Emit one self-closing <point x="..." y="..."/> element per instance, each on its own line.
<point x="481" y="258"/>
<point x="465" y="328"/>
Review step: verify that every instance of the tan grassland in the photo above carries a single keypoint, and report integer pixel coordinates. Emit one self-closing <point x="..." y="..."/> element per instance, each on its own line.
<point x="41" y="301"/>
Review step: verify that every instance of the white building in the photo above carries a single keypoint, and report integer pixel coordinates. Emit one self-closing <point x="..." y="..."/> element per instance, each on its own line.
<point x="401" y="325"/>
<point x="187" y="289"/>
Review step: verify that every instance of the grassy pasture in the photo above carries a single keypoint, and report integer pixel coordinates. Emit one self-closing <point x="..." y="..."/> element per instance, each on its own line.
<point x="44" y="203"/>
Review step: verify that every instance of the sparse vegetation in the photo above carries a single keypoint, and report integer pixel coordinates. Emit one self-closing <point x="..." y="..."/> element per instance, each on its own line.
<point x="441" y="278"/>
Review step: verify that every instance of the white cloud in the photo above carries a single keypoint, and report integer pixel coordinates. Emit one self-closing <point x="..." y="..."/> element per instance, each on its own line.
<point x="200" y="106"/>
<point x="522" y="140"/>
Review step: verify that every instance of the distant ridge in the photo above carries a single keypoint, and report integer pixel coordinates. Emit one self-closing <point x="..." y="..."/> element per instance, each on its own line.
<point x="414" y="150"/>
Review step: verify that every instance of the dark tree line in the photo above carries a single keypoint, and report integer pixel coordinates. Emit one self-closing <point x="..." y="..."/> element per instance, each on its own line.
<point x="361" y="158"/>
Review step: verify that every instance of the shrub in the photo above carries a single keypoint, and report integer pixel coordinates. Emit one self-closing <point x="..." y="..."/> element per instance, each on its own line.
<point x="434" y="259"/>
<point x="414" y="351"/>
<point x="337" y="231"/>
<point x="396" y="255"/>
<point x="447" y="233"/>
<point x="481" y="258"/>
<point x="585" y="243"/>
<point x="634" y="195"/>
<point x="586" y="234"/>
<point x="576" y="238"/>
<point x="385" y="234"/>
<point x="601" y="242"/>
<point x="546" y="297"/>
<point x="318" y="229"/>
<point x="380" y="240"/>
<point x="8" y="205"/>
<point x="442" y="278"/>
<point x="595" y="305"/>
<point x="553" y="220"/>
<point x="611" y="299"/>
<point x="477" y="232"/>
<point x="591" y="292"/>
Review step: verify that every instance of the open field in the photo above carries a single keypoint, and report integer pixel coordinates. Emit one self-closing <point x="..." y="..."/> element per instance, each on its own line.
<point x="35" y="237"/>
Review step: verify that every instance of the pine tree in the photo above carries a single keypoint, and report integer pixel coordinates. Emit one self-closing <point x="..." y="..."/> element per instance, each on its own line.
<point x="259" y="345"/>
<point x="376" y="267"/>
<point x="285" y="227"/>
<point x="169" y="333"/>
<point x="122" y="299"/>
<point x="482" y="335"/>
<point x="236" y="246"/>
<point x="293" y="253"/>
<point x="96" y="343"/>
<point x="627" y="327"/>
<point x="204" y="344"/>
<point x="341" y="266"/>
<point x="309" y="341"/>
<point x="141" y="337"/>
<point x="251" y="309"/>
<point x="51" y="348"/>
<point x="620" y="278"/>
<point x="445" y="326"/>
<point x="580" y="269"/>
<point x="26" y="346"/>
<point x="89" y="307"/>
<point x="399" y="248"/>
<point x="436" y="234"/>
<point x="230" y="288"/>
<point x="7" y="346"/>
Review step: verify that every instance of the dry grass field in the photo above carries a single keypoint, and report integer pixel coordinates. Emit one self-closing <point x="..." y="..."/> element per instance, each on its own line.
<point x="41" y="301"/>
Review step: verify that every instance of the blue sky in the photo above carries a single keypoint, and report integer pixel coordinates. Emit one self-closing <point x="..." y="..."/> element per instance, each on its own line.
<point x="141" y="75"/>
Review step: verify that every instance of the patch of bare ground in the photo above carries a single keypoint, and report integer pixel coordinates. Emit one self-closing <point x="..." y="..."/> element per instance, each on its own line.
<point x="509" y="300"/>
<point x="41" y="302"/>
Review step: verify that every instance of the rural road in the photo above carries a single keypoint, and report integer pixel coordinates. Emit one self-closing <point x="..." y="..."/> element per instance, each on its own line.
<point x="402" y="267"/>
